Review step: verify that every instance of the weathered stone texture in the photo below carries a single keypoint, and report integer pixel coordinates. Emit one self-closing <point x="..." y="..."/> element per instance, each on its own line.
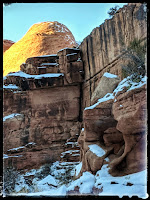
<point x="119" y="131"/>
<point x="49" y="111"/>
<point x="48" y="116"/>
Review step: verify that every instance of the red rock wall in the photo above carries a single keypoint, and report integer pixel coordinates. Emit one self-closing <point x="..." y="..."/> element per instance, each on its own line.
<point x="47" y="117"/>
<point x="101" y="50"/>
<point x="49" y="108"/>
<point x="120" y="131"/>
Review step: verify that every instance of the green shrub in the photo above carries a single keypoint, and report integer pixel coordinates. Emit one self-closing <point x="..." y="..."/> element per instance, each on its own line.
<point x="135" y="57"/>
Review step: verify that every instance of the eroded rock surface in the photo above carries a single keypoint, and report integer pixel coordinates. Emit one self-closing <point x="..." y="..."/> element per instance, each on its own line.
<point x="117" y="127"/>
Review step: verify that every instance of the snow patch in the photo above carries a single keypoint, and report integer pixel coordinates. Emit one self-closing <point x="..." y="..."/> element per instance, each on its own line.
<point x="71" y="54"/>
<point x="94" y="148"/>
<point x="11" y="86"/>
<point x="85" y="183"/>
<point x="107" y="97"/>
<point x="44" y="56"/>
<point x="5" y="156"/>
<point x="11" y="116"/>
<point x="48" y="64"/>
<point x="48" y="75"/>
<point x="46" y="182"/>
<point x="67" y="48"/>
<point x="125" y="83"/>
<point x="109" y="75"/>
<point x="120" y="188"/>
<point x="129" y="185"/>
<point x="78" y="169"/>
<point x="128" y="83"/>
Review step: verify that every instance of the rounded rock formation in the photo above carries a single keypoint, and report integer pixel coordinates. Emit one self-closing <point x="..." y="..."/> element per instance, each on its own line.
<point x="41" y="39"/>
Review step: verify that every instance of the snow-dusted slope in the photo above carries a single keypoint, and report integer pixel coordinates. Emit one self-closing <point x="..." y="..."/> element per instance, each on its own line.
<point x="130" y="185"/>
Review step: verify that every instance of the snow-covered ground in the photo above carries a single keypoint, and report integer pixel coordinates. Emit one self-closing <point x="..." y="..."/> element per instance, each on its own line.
<point x="129" y="185"/>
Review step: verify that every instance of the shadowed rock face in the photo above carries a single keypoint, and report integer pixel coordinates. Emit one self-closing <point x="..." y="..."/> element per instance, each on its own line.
<point x="119" y="131"/>
<point x="7" y="44"/>
<point x="41" y="39"/>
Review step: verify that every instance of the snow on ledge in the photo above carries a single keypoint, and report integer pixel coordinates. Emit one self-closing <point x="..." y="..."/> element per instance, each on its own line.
<point x="24" y="75"/>
<point x="107" y="97"/>
<point x="67" y="48"/>
<point x="94" y="148"/>
<point x="5" y="156"/>
<point x="48" y="64"/>
<point x="11" y="86"/>
<point x="109" y="75"/>
<point x="11" y="116"/>
<point x="126" y="82"/>
<point x="44" y="56"/>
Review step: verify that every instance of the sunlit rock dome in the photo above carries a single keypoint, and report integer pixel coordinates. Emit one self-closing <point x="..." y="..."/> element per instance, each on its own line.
<point x="42" y="38"/>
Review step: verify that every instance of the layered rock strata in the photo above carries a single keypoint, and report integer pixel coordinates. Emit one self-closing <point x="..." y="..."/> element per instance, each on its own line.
<point x="42" y="109"/>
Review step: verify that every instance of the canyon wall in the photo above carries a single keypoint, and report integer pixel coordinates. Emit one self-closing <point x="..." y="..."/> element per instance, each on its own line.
<point x="42" y="109"/>
<point x="102" y="49"/>
<point x="44" y="102"/>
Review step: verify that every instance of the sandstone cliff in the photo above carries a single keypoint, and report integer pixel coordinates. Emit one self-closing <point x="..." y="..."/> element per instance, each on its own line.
<point x="116" y="124"/>
<point x="80" y="95"/>
<point x="42" y="106"/>
<point x="102" y="49"/>
<point x="41" y="39"/>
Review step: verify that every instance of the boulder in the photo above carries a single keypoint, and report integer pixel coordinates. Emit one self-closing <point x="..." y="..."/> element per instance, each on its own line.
<point x="106" y="85"/>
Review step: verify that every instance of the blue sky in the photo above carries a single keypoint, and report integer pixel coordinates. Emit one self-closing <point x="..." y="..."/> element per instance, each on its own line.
<point x="80" y="18"/>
